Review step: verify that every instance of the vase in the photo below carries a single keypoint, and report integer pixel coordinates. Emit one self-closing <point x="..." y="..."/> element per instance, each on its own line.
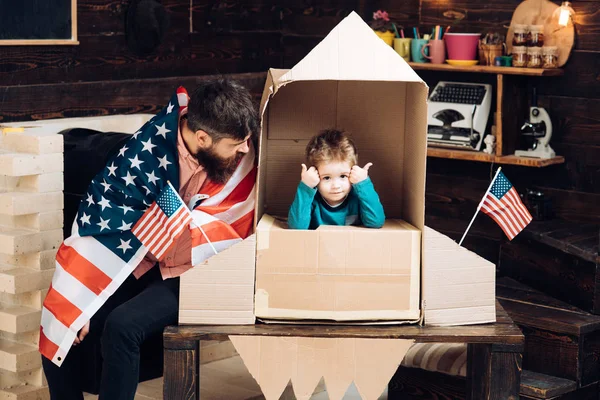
<point x="387" y="36"/>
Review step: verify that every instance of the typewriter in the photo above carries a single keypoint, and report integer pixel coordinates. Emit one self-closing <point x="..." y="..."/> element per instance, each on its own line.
<point x="458" y="114"/>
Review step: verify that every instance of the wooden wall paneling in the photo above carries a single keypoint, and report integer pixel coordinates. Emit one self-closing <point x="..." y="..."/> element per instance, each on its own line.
<point x="303" y="17"/>
<point x="102" y="98"/>
<point x="98" y="17"/>
<point x="581" y="77"/>
<point x="515" y="110"/>
<point x="108" y="58"/>
<point x="405" y="12"/>
<point x="573" y="205"/>
<point x="582" y="168"/>
<point x="232" y="16"/>
<point x="236" y="52"/>
<point x="580" y="172"/>
<point x="587" y="25"/>
<point x="97" y="58"/>
<point x="575" y="120"/>
<point x="296" y="47"/>
<point x="479" y="16"/>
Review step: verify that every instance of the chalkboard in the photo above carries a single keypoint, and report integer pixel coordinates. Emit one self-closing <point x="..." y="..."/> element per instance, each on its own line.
<point x="38" y="22"/>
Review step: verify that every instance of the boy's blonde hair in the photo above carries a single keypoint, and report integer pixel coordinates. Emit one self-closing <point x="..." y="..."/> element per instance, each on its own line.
<point x="331" y="145"/>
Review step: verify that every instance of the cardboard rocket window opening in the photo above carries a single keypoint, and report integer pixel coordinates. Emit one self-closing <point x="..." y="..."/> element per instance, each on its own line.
<point x="353" y="81"/>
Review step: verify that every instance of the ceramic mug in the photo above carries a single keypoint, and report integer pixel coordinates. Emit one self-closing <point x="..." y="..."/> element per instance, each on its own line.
<point x="402" y="47"/>
<point x="415" y="50"/>
<point x="437" y="49"/>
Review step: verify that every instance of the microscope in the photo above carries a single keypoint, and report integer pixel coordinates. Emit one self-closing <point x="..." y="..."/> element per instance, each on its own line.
<point x="536" y="132"/>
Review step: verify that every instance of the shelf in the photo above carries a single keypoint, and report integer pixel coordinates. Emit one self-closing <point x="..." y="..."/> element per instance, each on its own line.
<point x="489" y="158"/>
<point x="485" y="69"/>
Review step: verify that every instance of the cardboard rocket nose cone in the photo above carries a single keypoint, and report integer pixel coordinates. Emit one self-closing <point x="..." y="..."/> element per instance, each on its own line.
<point x="352" y="51"/>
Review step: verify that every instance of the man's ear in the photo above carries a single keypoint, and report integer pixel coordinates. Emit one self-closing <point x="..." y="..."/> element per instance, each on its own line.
<point x="203" y="139"/>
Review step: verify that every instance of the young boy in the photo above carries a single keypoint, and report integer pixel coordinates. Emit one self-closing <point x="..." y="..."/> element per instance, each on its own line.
<point x="334" y="190"/>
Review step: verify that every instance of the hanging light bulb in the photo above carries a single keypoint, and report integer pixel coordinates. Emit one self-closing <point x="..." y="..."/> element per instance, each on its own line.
<point x="564" y="13"/>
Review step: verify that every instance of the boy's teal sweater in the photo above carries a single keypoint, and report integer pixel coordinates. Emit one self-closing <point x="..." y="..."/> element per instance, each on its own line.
<point x="362" y="206"/>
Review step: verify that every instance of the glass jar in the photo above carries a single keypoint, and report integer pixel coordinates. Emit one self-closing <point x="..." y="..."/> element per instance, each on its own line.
<point x="520" y="35"/>
<point x="534" y="57"/>
<point x="535" y="37"/>
<point x="519" y="56"/>
<point x="550" y="56"/>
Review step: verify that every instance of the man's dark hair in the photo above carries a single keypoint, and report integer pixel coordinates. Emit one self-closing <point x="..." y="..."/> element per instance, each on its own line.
<point x="223" y="108"/>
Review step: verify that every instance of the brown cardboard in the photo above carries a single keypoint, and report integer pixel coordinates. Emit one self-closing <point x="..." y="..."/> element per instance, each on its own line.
<point x="274" y="361"/>
<point x="459" y="287"/>
<point x="351" y="81"/>
<point x="220" y="291"/>
<point x="338" y="273"/>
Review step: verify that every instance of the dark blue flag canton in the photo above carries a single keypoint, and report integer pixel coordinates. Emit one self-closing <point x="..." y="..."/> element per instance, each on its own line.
<point x="169" y="201"/>
<point x="132" y="179"/>
<point x="501" y="186"/>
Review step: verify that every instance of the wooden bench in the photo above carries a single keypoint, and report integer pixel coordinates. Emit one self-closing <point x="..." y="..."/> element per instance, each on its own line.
<point x="494" y="351"/>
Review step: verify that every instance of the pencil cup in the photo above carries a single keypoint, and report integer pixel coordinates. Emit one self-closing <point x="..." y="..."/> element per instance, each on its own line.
<point x="402" y="47"/>
<point x="437" y="49"/>
<point x="415" y="50"/>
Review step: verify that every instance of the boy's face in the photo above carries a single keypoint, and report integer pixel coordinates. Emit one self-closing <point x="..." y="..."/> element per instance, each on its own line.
<point x="334" y="185"/>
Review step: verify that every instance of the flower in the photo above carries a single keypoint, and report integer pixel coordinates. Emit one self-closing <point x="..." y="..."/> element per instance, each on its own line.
<point x="381" y="22"/>
<point x="381" y="15"/>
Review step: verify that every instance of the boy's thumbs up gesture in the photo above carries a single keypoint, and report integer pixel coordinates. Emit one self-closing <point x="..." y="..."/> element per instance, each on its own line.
<point x="310" y="176"/>
<point x="358" y="174"/>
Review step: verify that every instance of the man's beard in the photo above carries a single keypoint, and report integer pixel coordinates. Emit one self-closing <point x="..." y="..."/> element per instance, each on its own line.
<point x="218" y="169"/>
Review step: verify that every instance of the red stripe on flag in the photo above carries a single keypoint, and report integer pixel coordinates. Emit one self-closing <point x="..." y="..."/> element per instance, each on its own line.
<point x="82" y="270"/>
<point x="244" y="225"/>
<point x="138" y="228"/>
<point x="242" y="190"/>
<point x="154" y="227"/>
<point x="495" y="213"/>
<point x="174" y="231"/>
<point x="47" y="347"/>
<point x="216" y="231"/>
<point x="512" y="209"/>
<point x="519" y="206"/>
<point x="62" y="309"/>
<point x="211" y="188"/>
<point x="504" y="212"/>
<point x="502" y="225"/>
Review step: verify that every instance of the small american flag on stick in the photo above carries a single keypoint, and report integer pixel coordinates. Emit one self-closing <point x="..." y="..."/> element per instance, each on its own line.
<point x="503" y="204"/>
<point x="163" y="222"/>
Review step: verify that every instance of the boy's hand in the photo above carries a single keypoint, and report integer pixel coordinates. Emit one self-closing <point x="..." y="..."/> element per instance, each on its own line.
<point x="310" y="176"/>
<point x="358" y="174"/>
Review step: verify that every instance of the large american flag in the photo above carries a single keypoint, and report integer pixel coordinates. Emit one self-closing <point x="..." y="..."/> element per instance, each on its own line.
<point x="503" y="204"/>
<point x="103" y="248"/>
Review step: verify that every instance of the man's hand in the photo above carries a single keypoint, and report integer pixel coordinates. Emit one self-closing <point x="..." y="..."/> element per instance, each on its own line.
<point x="358" y="174"/>
<point x="310" y="176"/>
<point x="82" y="334"/>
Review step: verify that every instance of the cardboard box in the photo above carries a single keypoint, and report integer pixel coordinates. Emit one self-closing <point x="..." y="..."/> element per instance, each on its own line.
<point x="339" y="273"/>
<point x="350" y="81"/>
<point x="354" y="81"/>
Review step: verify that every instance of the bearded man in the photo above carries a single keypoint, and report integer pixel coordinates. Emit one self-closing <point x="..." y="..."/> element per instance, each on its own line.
<point x="108" y="287"/>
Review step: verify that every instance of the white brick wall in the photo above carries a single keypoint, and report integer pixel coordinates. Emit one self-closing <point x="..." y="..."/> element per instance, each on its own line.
<point x="31" y="220"/>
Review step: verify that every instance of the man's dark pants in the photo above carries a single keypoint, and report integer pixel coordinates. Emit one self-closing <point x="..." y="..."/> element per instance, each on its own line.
<point x="138" y="310"/>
